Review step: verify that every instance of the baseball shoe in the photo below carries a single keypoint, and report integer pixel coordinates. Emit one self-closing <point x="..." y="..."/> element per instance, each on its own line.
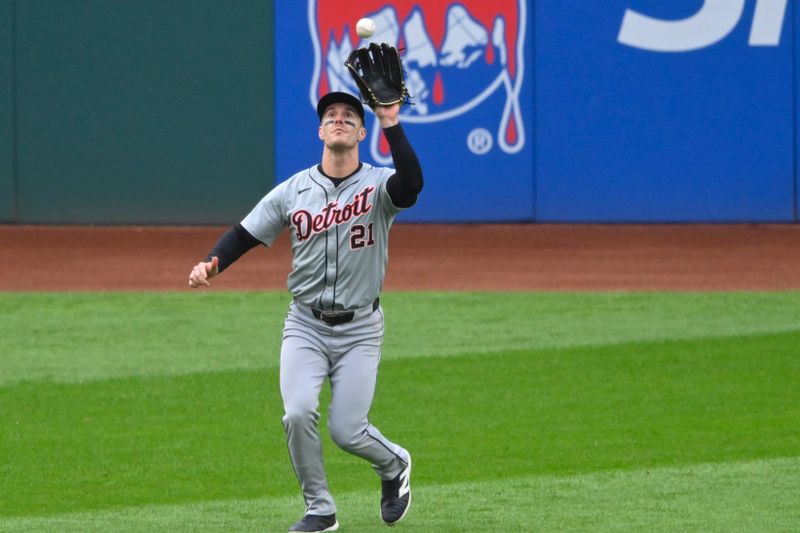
<point x="312" y="523"/>
<point x="396" y="496"/>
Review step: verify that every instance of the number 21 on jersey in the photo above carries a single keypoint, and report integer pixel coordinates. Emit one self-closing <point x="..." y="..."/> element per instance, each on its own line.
<point x="361" y="236"/>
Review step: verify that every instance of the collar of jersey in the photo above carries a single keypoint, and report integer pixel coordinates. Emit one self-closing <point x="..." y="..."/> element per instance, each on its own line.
<point x="334" y="182"/>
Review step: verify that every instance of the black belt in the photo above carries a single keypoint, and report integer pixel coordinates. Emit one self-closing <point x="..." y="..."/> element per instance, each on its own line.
<point x="334" y="318"/>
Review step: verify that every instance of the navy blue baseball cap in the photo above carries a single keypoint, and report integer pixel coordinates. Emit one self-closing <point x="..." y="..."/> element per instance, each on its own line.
<point x="339" y="98"/>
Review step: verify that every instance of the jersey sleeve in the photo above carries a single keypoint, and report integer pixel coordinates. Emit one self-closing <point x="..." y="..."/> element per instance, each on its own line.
<point x="406" y="183"/>
<point x="268" y="217"/>
<point x="385" y="198"/>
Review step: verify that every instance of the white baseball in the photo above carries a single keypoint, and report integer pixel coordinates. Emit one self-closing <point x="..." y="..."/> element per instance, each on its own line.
<point x="365" y="28"/>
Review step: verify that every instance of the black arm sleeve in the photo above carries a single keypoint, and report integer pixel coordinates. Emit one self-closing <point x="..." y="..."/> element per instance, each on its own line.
<point x="406" y="183"/>
<point x="233" y="244"/>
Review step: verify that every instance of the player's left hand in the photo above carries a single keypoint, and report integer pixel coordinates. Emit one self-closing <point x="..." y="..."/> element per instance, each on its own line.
<point x="377" y="71"/>
<point x="388" y="115"/>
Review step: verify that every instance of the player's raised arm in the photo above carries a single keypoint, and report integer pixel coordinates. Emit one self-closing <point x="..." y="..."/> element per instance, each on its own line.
<point x="378" y="73"/>
<point x="406" y="183"/>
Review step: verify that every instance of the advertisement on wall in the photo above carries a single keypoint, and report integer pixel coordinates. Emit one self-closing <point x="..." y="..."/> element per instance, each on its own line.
<point x="467" y="67"/>
<point x="651" y="111"/>
<point x="566" y="110"/>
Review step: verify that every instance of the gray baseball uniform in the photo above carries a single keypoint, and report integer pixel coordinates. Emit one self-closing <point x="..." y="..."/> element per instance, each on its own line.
<point x="339" y="238"/>
<point x="334" y="327"/>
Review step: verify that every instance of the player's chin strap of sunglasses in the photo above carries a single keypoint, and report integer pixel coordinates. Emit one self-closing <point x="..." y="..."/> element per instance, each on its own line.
<point x="334" y="318"/>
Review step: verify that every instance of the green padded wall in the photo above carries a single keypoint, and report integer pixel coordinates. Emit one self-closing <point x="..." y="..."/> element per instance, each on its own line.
<point x="143" y="111"/>
<point x="7" y="200"/>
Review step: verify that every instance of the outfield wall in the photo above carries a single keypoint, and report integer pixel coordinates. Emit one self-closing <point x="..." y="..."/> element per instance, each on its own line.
<point x="547" y="111"/>
<point x="140" y="111"/>
<point x="7" y="195"/>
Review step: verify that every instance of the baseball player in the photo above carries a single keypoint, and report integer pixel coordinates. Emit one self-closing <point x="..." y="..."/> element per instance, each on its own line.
<point x="338" y="213"/>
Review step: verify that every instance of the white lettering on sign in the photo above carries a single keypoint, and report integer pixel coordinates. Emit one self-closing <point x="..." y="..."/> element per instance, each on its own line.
<point x="714" y="21"/>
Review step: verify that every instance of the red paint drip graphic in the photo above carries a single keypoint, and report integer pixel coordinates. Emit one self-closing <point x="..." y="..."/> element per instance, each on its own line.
<point x="383" y="146"/>
<point x="324" y="88"/>
<point x="438" y="89"/>
<point x="511" y="130"/>
<point x="489" y="54"/>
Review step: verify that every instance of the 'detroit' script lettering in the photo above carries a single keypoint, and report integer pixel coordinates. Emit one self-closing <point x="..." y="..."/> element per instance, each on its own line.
<point x="307" y="224"/>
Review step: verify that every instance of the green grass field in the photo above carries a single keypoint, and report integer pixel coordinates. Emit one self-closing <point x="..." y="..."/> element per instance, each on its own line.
<point x="524" y="412"/>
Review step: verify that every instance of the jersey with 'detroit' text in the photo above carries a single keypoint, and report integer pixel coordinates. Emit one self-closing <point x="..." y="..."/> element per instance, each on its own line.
<point x="340" y="235"/>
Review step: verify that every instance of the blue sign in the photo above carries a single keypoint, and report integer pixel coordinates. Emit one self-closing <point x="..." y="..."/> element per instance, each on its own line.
<point x="567" y="110"/>
<point x="664" y="111"/>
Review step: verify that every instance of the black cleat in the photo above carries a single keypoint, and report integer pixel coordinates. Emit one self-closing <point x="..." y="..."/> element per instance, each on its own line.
<point x="312" y="523"/>
<point x="396" y="496"/>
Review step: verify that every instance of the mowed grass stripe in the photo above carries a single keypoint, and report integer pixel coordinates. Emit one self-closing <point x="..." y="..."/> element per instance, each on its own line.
<point x="217" y="436"/>
<point x="740" y="496"/>
<point x="75" y="337"/>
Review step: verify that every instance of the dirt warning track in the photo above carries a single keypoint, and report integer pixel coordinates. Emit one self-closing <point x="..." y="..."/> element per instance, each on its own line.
<point x="423" y="257"/>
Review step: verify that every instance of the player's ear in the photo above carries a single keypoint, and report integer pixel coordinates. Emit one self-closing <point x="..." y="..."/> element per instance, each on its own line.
<point x="319" y="132"/>
<point x="362" y="133"/>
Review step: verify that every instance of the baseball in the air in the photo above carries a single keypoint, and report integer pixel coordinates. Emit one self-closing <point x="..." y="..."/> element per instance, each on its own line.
<point x="365" y="28"/>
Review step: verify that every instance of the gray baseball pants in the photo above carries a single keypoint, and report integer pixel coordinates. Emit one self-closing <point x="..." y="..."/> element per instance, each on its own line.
<point x="348" y="354"/>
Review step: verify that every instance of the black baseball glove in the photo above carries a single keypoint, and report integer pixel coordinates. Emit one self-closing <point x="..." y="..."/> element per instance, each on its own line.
<point x="378" y="73"/>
